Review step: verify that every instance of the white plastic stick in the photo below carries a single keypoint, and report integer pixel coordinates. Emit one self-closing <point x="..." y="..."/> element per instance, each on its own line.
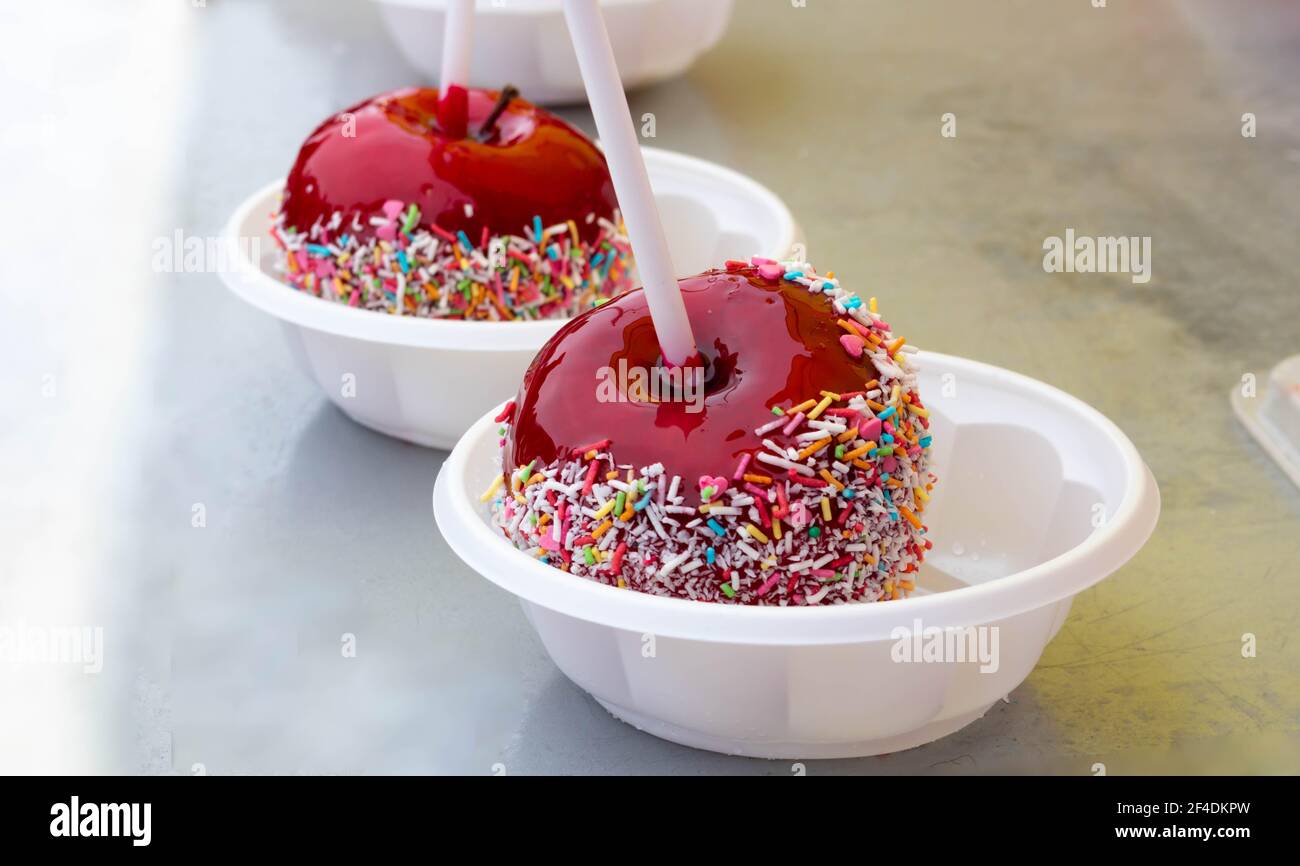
<point x="457" y="42"/>
<point x="627" y="169"/>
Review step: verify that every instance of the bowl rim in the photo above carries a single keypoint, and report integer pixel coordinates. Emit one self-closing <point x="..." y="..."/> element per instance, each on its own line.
<point x="1088" y="562"/>
<point x="247" y="279"/>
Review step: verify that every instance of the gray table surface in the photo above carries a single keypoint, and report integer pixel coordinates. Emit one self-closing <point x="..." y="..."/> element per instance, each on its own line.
<point x="128" y="396"/>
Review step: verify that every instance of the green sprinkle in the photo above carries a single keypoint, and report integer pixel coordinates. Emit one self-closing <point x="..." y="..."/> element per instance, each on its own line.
<point x="619" y="502"/>
<point x="588" y="555"/>
<point x="412" y="217"/>
<point x="839" y="452"/>
<point x="728" y="591"/>
<point x="777" y="410"/>
<point x="814" y="531"/>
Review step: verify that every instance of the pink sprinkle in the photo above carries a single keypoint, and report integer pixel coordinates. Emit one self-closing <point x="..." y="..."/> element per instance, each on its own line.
<point x="591" y="478"/>
<point x="770" y="271"/>
<point x="742" y="466"/>
<point x="852" y="344"/>
<point x="870" y="430"/>
<point x="354" y="298"/>
<point x="392" y="208"/>
<point x="890" y="464"/>
<point x="717" y="482"/>
<point x="759" y="260"/>
<point x="386" y="232"/>
<point x="821" y="572"/>
<point x="793" y="425"/>
<point x="767" y="585"/>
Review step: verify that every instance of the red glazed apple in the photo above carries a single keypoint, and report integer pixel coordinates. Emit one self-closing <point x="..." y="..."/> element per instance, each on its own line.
<point x="799" y="478"/>
<point x="464" y="212"/>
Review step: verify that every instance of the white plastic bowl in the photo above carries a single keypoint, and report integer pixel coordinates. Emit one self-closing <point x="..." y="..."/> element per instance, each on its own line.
<point x="526" y="42"/>
<point x="427" y="380"/>
<point x="1274" y="418"/>
<point x="1025" y="471"/>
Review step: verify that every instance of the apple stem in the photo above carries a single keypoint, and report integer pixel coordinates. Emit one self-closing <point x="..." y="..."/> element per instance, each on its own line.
<point x="508" y="93"/>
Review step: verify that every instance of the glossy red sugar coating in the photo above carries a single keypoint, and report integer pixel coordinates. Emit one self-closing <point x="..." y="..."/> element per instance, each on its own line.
<point x="390" y="148"/>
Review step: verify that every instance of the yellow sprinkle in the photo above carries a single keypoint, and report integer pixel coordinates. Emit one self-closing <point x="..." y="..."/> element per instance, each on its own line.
<point x="537" y="476"/>
<point x="602" y="529"/>
<point x="831" y="480"/>
<point x="871" y="305"/>
<point x="756" y="533"/>
<point x="514" y="280"/>
<point x="830" y="275"/>
<point x="826" y="509"/>
<point x="802" y="407"/>
<point x="814" y="448"/>
<point x="819" y="408"/>
<point x="611" y="476"/>
<point x="906" y="584"/>
<point x="858" y="452"/>
<point x="830" y="394"/>
<point x="848" y="435"/>
<point x="911" y="518"/>
<point x="573" y="231"/>
<point x="920" y="494"/>
<point x="597" y="555"/>
<point x="757" y="479"/>
<point x="590" y="455"/>
<point x="917" y="410"/>
<point x="605" y="509"/>
<point x="894" y="346"/>
<point x="491" y="491"/>
<point x="888" y="587"/>
<point x="622" y="584"/>
<point x="893" y="397"/>
<point x="776" y="528"/>
<point x="519" y="498"/>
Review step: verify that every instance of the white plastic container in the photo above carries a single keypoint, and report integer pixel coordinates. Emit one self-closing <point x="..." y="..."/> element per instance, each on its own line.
<point x="1039" y="497"/>
<point x="1273" y="418"/>
<point x="427" y="380"/>
<point x="526" y="42"/>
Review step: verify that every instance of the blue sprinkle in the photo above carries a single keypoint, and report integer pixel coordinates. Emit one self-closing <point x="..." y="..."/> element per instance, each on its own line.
<point x="710" y="555"/>
<point x="343" y="240"/>
<point x="318" y="249"/>
<point x="537" y="229"/>
<point x="886" y="439"/>
<point x="793" y="275"/>
<point x="401" y="258"/>
<point x="846" y="493"/>
<point x="543" y="559"/>
<point x="884" y="416"/>
<point x="597" y="259"/>
<point x="827" y="286"/>
<point x="884" y="476"/>
<point x="464" y="241"/>
<point x="553" y="253"/>
<point x="853" y="303"/>
<point x="893" y="515"/>
<point x="925" y="442"/>
<point x="645" y="500"/>
<point x="717" y="527"/>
